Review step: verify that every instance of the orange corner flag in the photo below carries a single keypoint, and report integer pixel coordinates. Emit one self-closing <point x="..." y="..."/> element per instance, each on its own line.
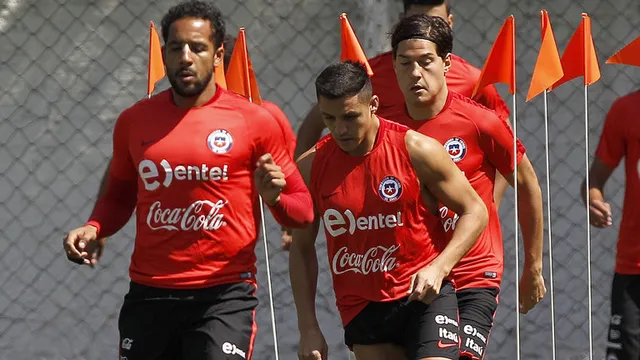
<point x="548" y="68"/>
<point x="240" y="76"/>
<point x="579" y="58"/>
<point x="351" y="48"/>
<point x="500" y="66"/>
<point x="628" y="55"/>
<point x="155" y="65"/>
<point x="218" y="74"/>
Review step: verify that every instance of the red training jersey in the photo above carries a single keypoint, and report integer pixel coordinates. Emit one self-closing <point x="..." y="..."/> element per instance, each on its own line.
<point x="479" y="143"/>
<point x="196" y="217"/>
<point x="621" y="138"/>
<point x="285" y="126"/>
<point x="376" y="224"/>
<point x="461" y="78"/>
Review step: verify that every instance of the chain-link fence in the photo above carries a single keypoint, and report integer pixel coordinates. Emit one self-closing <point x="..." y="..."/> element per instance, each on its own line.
<point x="70" y="66"/>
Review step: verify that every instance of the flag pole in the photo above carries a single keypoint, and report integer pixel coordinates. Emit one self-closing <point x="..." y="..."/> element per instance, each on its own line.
<point x="586" y="159"/>
<point x="553" y="316"/>
<point x="515" y="195"/>
<point x="247" y="85"/>
<point x="517" y="245"/>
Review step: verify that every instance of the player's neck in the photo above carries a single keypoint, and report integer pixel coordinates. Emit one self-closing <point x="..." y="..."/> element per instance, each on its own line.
<point x="195" y="101"/>
<point x="369" y="140"/>
<point x="430" y="110"/>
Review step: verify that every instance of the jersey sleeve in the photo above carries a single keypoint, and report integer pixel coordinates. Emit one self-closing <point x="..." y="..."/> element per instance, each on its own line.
<point x="121" y="164"/>
<point x="269" y="139"/>
<point x="115" y="206"/>
<point x="491" y="99"/>
<point x="285" y="126"/>
<point x="496" y="141"/>
<point x="611" y="147"/>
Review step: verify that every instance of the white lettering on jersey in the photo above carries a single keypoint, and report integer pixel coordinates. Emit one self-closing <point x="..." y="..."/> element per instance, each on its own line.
<point x="448" y="223"/>
<point x="376" y="259"/>
<point x="334" y="221"/>
<point x="638" y="167"/>
<point x="201" y="215"/>
<point x="148" y="171"/>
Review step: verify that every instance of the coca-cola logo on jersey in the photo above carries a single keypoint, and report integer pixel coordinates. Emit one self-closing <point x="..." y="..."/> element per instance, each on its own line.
<point x="375" y="260"/>
<point x="337" y="223"/>
<point x="150" y="175"/>
<point x="200" y="215"/>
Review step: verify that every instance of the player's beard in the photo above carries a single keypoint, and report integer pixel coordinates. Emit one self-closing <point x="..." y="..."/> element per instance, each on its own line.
<point x="194" y="90"/>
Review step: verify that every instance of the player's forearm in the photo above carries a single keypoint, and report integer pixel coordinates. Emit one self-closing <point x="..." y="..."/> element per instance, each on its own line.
<point x="295" y="207"/>
<point x="103" y="184"/>
<point x="303" y="272"/>
<point x="595" y="190"/>
<point x="530" y="217"/>
<point x="309" y="132"/>
<point x="468" y="228"/>
<point x="115" y="206"/>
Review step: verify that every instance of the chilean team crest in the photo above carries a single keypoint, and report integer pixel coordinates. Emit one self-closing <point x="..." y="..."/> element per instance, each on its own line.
<point x="390" y="189"/>
<point x="456" y="148"/>
<point x="220" y="141"/>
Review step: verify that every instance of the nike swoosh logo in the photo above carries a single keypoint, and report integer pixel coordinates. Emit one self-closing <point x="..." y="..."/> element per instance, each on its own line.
<point x="444" y="346"/>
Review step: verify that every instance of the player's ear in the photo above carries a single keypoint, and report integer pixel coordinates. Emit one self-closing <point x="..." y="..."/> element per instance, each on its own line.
<point x="450" y="20"/>
<point x="218" y="56"/>
<point x="374" y="103"/>
<point x="447" y="62"/>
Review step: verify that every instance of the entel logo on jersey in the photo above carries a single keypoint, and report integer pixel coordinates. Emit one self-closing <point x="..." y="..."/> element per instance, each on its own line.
<point x="149" y="170"/>
<point x="220" y="141"/>
<point x="390" y="189"/>
<point x="333" y="221"/>
<point x="456" y="148"/>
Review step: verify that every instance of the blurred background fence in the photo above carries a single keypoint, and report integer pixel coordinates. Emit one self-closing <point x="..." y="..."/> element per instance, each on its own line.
<point x="70" y="66"/>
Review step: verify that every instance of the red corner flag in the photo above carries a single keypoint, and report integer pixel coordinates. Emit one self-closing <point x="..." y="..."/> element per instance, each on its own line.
<point x="548" y="68"/>
<point x="155" y="64"/>
<point x="579" y="58"/>
<point x="218" y="74"/>
<point x="351" y="48"/>
<point x="500" y="66"/>
<point x="240" y="76"/>
<point x="628" y="55"/>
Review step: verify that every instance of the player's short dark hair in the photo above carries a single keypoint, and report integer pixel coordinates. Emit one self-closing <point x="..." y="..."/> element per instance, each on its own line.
<point x="198" y="9"/>
<point x="422" y="26"/>
<point x="408" y="3"/>
<point x="229" y="42"/>
<point x="344" y="79"/>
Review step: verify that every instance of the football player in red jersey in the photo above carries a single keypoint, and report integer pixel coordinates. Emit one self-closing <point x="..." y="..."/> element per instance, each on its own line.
<point x="620" y="138"/>
<point x="481" y="144"/>
<point x="376" y="184"/>
<point x="192" y="161"/>
<point x="462" y="78"/>
<point x="95" y="252"/>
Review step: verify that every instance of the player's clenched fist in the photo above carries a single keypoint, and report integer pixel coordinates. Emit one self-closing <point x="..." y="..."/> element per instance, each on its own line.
<point x="269" y="179"/>
<point x="313" y="346"/>
<point x="80" y="245"/>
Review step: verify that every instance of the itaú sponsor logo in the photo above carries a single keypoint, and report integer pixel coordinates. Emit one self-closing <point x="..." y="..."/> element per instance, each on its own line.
<point x="200" y="215"/>
<point x="150" y="175"/>
<point x="337" y="223"/>
<point x="377" y="259"/>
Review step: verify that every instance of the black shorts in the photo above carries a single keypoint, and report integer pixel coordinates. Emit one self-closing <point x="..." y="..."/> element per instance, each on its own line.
<point x="422" y="330"/>
<point x="212" y="323"/>
<point x="624" y="327"/>
<point x="477" y="308"/>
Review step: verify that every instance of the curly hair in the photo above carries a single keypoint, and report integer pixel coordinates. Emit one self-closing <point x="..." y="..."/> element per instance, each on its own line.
<point x="198" y="9"/>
